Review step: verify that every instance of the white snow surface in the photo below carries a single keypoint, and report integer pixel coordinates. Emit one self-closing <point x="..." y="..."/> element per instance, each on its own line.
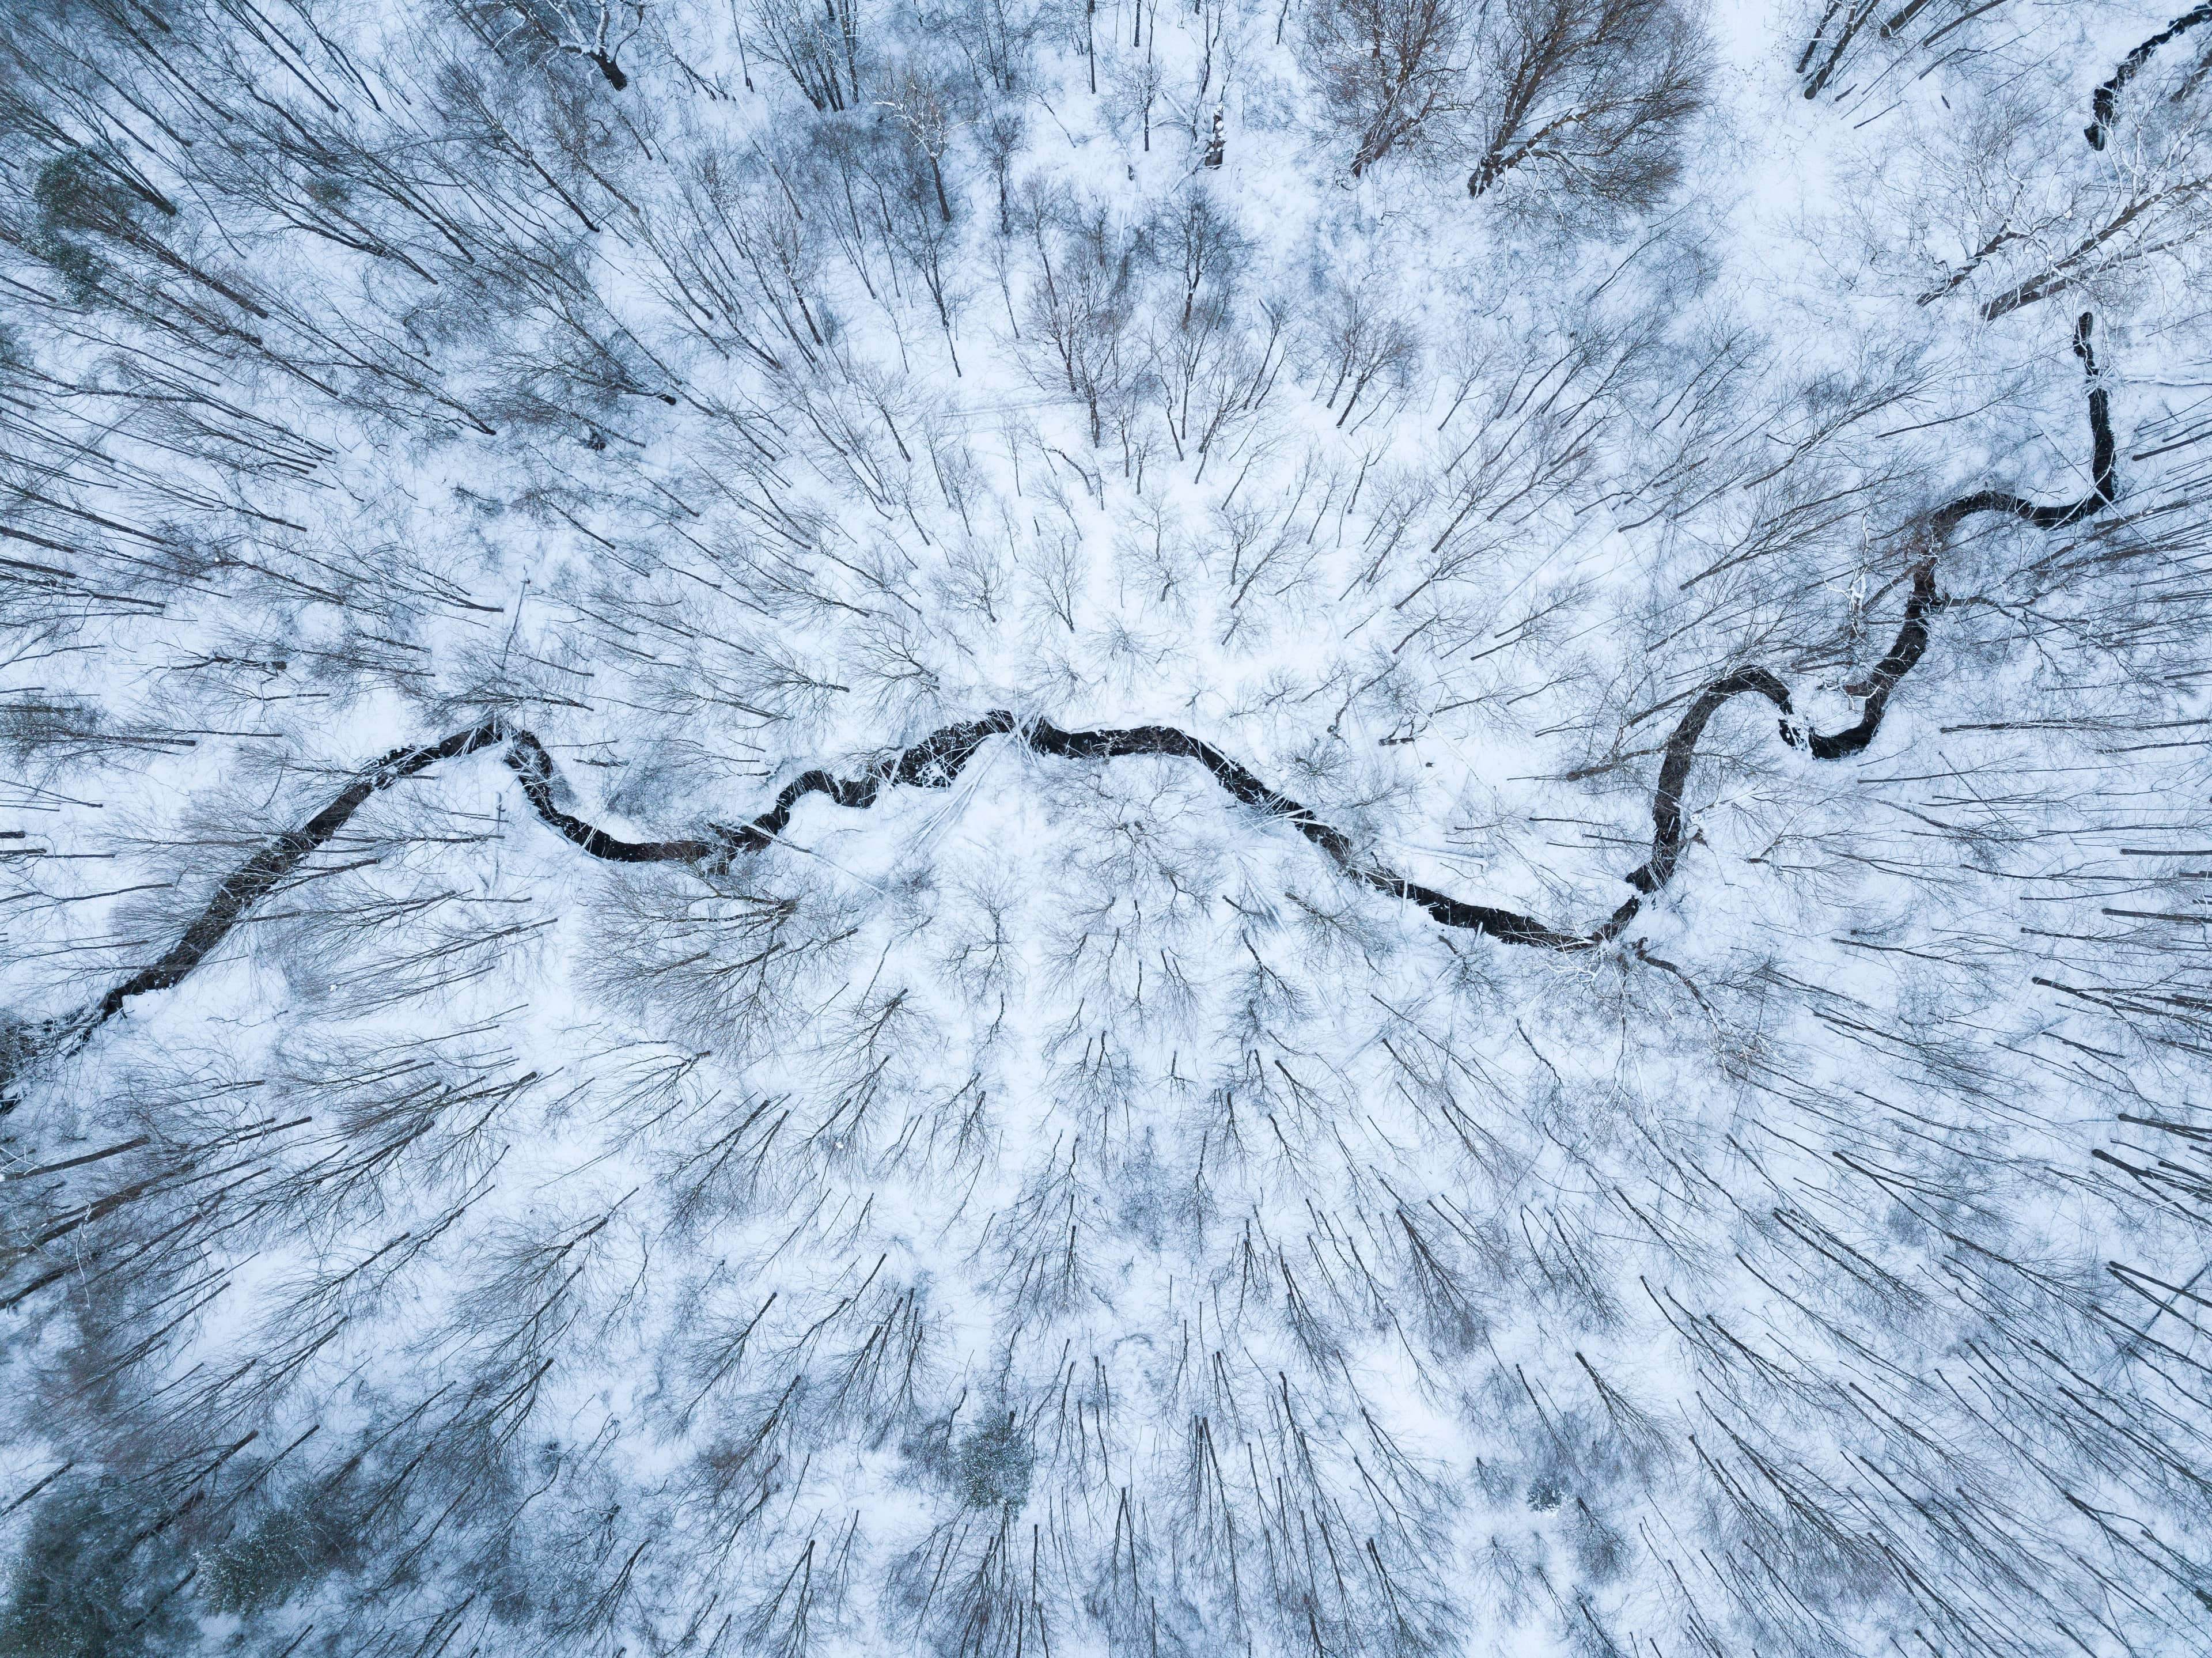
<point x="1060" y="1213"/>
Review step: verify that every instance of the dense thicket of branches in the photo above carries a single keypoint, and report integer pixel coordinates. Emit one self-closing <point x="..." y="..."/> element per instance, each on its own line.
<point x="617" y="1201"/>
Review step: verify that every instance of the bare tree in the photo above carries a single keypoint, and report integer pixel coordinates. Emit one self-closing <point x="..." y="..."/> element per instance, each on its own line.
<point x="593" y="30"/>
<point x="743" y="261"/>
<point x="921" y="227"/>
<point x="1389" y="69"/>
<point x="1202" y="243"/>
<point x="995" y="37"/>
<point x="2001" y="206"/>
<point x="1205" y="368"/>
<point x="1084" y="287"/>
<point x="1590" y="94"/>
<point x="1139" y="80"/>
<point x="1360" y="343"/>
<point x="819" y="46"/>
<point x="925" y="107"/>
<point x="1000" y="136"/>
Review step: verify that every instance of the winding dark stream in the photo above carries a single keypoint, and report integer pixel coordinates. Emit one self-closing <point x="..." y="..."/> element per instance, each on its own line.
<point x="2104" y="102"/>
<point x="939" y="758"/>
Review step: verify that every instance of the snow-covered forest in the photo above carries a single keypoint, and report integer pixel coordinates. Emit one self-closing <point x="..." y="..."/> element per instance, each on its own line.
<point x="1005" y="827"/>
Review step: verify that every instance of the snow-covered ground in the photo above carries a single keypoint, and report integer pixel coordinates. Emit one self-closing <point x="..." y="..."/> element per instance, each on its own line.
<point x="1056" y="1210"/>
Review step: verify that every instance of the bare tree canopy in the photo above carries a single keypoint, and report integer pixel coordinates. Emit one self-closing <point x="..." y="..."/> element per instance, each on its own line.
<point x="1591" y="94"/>
<point x="836" y="828"/>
